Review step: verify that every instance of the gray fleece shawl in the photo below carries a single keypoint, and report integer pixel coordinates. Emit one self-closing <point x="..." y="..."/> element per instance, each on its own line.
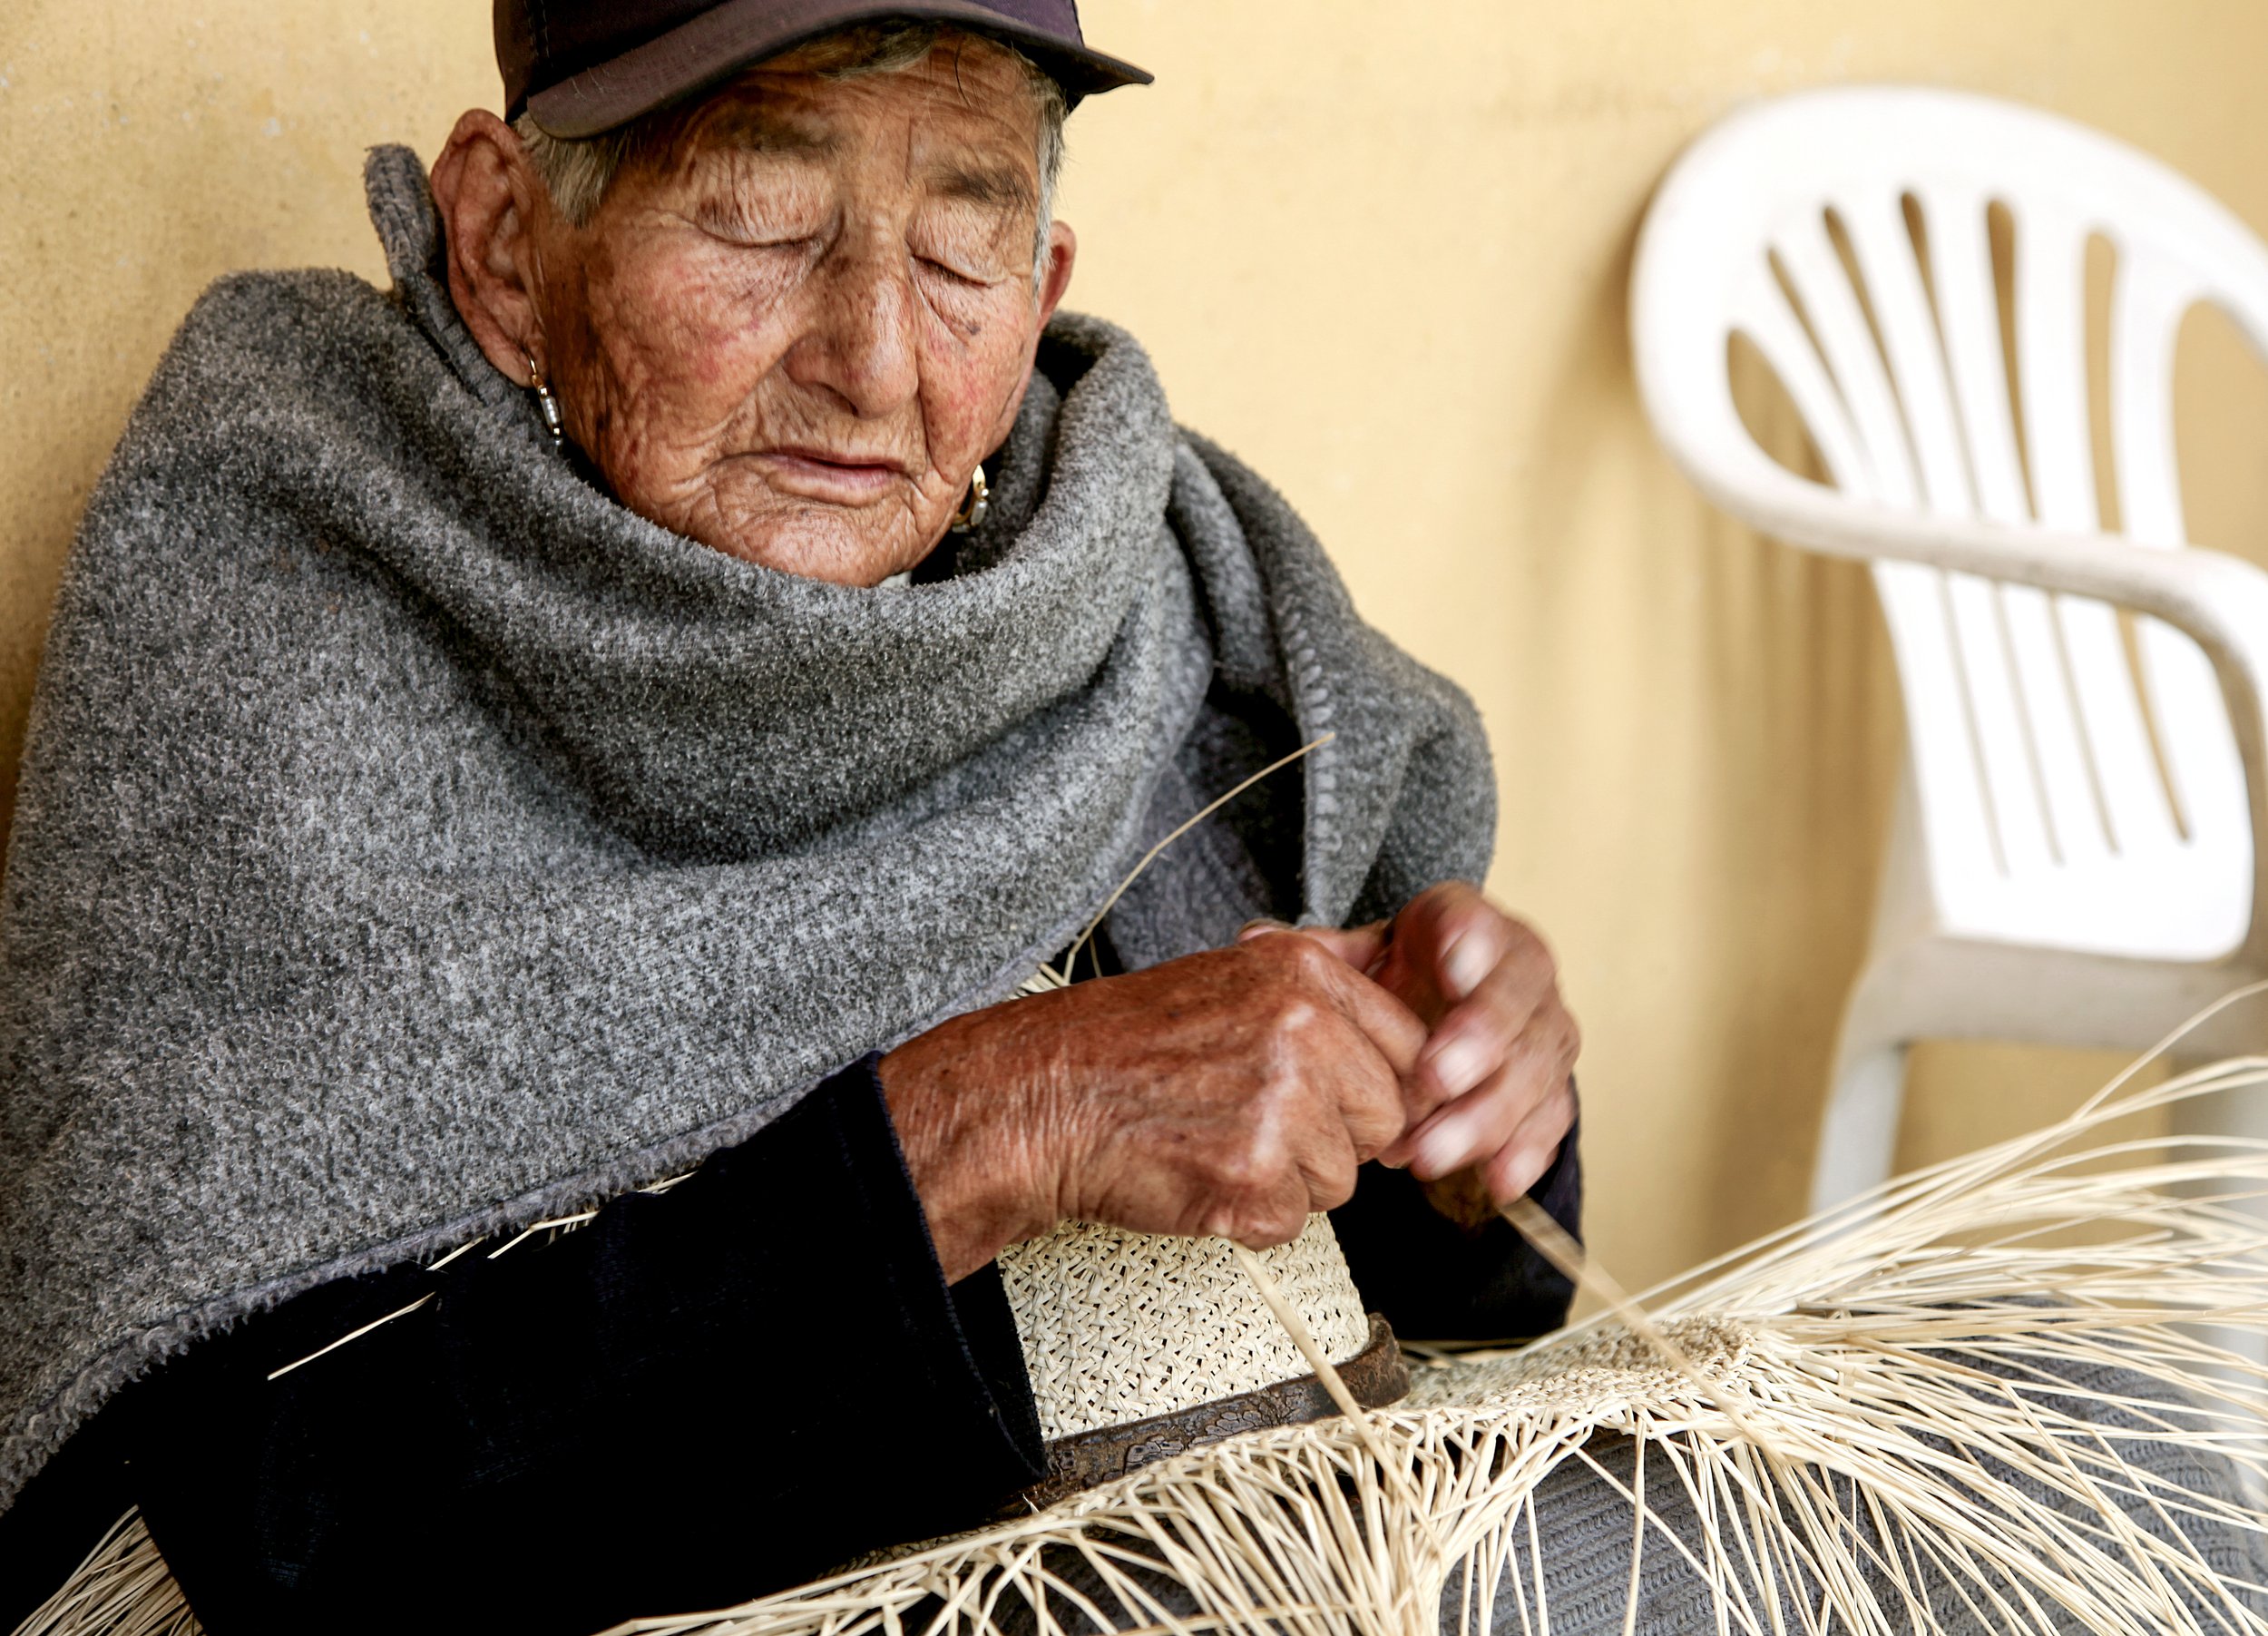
<point x="412" y="843"/>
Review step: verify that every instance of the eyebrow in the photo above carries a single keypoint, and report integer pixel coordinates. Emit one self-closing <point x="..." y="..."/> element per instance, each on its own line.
<point x="1002" y="187"/>
<point x="755" y="129"/>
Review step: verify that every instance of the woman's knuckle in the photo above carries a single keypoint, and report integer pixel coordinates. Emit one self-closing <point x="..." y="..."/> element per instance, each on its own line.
<point x="1372" y="1127"/>
<point x="1279" y="1224"/>
<point x="1571" y="1033"/>
<point x="1498" y="1022"/>
<point x="1333" y="1187"/>
<point x="1233" y="1170"/>
<point x="1294" y="1023"/>
<point x="1308" y="961"/>
<point x="1530" y="942"/>
<point x="1221" y="1221"/>
<point x="1251" y="1165"/>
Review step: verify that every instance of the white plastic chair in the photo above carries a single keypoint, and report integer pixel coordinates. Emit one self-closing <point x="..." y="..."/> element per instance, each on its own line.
<point x="2072" y="860"/>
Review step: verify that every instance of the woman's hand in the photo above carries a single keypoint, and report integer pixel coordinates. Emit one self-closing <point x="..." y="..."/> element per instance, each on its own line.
<point x="1232" y="1093"/>
<point x="1493" y="1095"/>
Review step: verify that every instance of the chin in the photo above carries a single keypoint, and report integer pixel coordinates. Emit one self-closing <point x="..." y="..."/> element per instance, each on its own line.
<point x="819" y="543"/>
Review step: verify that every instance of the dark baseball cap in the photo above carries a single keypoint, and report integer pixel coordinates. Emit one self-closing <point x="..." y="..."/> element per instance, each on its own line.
<point x="585" y="66"/>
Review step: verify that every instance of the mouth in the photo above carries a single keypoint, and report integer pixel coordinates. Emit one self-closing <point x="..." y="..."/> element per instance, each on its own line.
<point x="836" y="477"/>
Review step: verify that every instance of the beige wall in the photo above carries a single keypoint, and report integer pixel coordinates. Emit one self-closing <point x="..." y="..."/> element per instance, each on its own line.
<point x="1379" y="249"/>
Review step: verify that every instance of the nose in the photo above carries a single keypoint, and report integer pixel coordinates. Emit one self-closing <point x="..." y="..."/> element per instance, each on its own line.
<point x="860" y="345"/>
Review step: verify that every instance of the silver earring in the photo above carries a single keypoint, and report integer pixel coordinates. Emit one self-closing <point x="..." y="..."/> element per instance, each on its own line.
<point x="972" y="508"/>
<point x="544" y="400"/>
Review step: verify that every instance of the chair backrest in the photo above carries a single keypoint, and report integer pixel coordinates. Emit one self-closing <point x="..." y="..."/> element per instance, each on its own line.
<point x="2071" y="794"/>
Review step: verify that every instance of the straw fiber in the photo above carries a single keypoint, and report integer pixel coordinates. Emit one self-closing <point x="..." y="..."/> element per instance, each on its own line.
<point x="1929" y="1413"/>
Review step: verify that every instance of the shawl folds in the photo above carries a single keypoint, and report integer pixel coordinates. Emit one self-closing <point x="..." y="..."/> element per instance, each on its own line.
<point x="412" y="843"/>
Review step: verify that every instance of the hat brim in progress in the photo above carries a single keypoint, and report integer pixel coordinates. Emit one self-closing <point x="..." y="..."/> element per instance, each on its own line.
<point x="1917" y="1415"/>
<point x="720" y="42"/>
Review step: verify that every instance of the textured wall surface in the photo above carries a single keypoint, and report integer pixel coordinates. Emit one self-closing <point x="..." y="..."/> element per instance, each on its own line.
<point x="1380" y="250"/>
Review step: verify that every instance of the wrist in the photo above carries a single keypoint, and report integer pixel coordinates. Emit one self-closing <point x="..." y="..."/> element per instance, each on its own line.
<point x="976" y="1151"/>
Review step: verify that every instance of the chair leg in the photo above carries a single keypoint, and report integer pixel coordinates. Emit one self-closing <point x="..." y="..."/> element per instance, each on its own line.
<point x="1858" y="1140"/>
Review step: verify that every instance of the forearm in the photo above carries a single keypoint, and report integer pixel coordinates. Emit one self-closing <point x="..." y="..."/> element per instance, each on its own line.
<point x="970" y="1102"/>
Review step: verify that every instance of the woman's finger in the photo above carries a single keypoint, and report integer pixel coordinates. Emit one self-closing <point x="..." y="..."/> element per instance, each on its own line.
<point x="1475" y="1037"/>
<point x="1521" y="1162"/>
<point x="1454" y="937"/>
<point x="1391" y="1027"/>
<point x="1360" y="947"/>
<point x="1471" y="1127"/>
<point x="1357" y="1044"/>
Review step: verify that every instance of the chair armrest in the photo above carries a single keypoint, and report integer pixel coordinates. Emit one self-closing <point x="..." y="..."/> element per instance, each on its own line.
<point x="2219" y="601"/>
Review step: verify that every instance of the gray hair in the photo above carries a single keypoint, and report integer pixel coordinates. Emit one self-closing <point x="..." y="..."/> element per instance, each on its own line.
<point x="577" y="172"/>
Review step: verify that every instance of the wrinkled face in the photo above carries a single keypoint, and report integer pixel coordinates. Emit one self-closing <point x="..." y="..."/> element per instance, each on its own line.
<point x="793" y="332"/>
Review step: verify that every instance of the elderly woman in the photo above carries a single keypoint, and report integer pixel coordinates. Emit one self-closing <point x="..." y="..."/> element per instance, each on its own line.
<point x="644" y="703"/>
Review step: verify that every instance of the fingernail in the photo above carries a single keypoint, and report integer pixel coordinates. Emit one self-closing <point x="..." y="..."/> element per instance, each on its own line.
<point x="1467" y="963"/>
<point x="1442" y="1148"/>
<point x="1460" y="1065"/>
<point x="1259" y="928"/>
<point x="1524" y="1172"/>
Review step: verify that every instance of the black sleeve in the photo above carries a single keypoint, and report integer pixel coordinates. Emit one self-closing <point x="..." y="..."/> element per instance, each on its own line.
<point x="700" y="1397"/>
<point x="1434" y="1279"/>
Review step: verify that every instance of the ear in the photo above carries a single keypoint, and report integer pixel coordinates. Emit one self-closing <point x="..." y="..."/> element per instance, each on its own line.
<point x="492" y="204"/>
<point x="1062" y="250"/>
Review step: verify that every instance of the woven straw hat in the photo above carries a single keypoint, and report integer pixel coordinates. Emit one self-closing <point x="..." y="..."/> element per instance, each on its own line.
<point x="1140" y="1346"/>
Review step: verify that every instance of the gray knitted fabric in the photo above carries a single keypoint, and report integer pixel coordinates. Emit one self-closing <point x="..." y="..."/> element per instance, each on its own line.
<point x="412" y="843"/>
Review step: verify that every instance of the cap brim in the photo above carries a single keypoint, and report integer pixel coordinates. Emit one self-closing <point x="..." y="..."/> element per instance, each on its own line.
<point x="725" y="39"/>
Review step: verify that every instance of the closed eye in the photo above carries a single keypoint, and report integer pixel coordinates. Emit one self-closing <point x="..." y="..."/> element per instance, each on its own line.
<point x="744" y="238"/>
<point x="725" y="221"/>
<point x="959" y="275"/>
